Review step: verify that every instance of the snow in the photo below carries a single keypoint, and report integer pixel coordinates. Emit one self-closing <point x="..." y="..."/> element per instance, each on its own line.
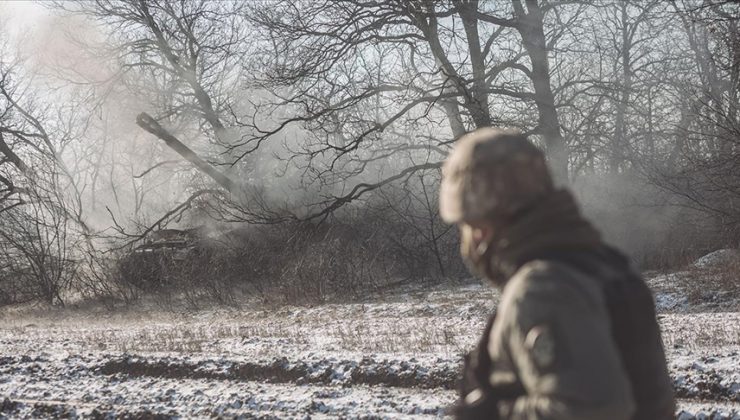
<point x="395" y="357"/>
<point x="719" y="257"/>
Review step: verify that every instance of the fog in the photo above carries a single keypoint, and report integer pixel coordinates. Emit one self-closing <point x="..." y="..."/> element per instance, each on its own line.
<point x="323" y="120"/>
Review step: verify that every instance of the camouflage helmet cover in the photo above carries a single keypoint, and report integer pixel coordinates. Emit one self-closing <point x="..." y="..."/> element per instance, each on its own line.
<point x="492" y="173"/>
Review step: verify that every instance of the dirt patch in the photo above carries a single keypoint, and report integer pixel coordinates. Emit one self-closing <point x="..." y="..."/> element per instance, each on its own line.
<point x="74" y="409"/>
<point x="706" y="386"/>
<point x="368" y="371"/>
<point x="699" y="384"/>
<point x="9" y="406"/>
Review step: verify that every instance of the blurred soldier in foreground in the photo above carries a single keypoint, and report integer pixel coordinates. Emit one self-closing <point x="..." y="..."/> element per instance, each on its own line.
<point x="575" y="335"/>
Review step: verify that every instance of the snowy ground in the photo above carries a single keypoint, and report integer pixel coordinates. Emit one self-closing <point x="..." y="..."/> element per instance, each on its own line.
<point x="394" y="358"/>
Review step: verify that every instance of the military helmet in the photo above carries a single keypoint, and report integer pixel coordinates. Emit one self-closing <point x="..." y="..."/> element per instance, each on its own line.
<point x="492" y="173"/>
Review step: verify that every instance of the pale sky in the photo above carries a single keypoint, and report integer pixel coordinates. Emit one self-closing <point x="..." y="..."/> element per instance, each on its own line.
<point x="22" y="16"/>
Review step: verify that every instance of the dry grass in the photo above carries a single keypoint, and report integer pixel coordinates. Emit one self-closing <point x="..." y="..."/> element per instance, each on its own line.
<point x="367" y="336"/>
<point x="440" y="322"/>
<point x="701" y="330"/>
<point x="716" y="282"/>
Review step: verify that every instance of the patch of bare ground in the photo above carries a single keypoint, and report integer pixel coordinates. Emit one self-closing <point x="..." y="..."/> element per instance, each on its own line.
<point x="706" y="386"/>
<point x="696" y="383"/>
<point x="368" y="371"/>
<point x="23" y="408"/>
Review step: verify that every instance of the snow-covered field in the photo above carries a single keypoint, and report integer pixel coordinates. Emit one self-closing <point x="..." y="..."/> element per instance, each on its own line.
<point x="396" y="357"/>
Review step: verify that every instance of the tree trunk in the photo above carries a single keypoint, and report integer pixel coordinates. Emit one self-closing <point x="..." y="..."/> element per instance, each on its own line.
<point x="478" y="95"/>
<point x="530" y="28"/>
<point x="619" y="144"/>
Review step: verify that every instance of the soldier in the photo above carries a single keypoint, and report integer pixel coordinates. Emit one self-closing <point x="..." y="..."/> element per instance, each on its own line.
<point x="575" y="335"/>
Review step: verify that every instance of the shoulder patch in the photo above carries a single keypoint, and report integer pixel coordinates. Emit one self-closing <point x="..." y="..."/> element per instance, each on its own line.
<point x="540" y="343"/>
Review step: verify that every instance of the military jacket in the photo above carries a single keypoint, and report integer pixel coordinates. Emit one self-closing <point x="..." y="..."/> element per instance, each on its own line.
<point x="552" y="338"/>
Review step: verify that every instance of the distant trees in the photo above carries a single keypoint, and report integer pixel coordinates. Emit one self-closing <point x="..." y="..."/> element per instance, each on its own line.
<point x="41" y="215"/>
<point x="374" y="83"/>
<point x="342" y="112"/>
<point x="367" y="95"/>
<point x="364" y="94"/>
<point x="183" y="57"/>
<point x="643" y="91"/>
<point x="704" y="166"/>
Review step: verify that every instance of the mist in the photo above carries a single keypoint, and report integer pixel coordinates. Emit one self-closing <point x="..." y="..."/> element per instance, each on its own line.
<point x="319" y="130"/>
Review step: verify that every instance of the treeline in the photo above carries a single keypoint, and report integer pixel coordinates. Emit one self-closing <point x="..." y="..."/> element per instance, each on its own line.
<point x="332" y="119"/>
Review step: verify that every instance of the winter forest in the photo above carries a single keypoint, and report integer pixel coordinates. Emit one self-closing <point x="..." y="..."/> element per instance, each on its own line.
<point x="221" y="157"/>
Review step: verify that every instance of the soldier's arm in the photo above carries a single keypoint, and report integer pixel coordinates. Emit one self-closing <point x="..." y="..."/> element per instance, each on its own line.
<point x="560" y="342"/>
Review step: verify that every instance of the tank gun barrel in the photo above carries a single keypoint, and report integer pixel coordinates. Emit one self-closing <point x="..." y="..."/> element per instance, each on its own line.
<point x="148" y="123"/>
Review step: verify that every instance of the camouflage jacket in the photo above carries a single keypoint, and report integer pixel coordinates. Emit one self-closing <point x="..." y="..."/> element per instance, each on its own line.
<point x="552" y="339"/>
<point x="567" y="338"/>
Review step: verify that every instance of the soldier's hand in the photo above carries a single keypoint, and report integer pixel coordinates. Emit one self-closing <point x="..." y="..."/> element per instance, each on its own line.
<point x="476" y="405"/>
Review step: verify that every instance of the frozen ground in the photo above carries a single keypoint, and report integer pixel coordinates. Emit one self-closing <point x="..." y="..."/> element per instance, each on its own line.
<point x="395" y="358"/>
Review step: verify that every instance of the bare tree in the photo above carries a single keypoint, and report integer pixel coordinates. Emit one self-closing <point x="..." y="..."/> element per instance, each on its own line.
<point x="375" y="83"/>
<point x="703" y="163"/>
<point x="42" y="218"/>
<point x="184" y="60"/>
